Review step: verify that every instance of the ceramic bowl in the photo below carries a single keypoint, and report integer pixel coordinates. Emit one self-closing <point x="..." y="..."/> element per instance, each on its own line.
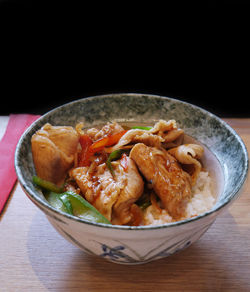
<point x="226" y="158"/>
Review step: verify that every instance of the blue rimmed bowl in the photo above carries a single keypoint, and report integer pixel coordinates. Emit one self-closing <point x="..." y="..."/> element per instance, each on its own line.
<point x="225" y="157"/>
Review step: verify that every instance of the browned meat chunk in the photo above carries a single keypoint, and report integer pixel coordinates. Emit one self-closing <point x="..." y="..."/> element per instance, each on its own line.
<point x="169" y="181"/>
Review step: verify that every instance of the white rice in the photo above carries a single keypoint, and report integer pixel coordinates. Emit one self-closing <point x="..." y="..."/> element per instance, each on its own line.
<point x="153" y="216"/>
<point x="202" y="200"/>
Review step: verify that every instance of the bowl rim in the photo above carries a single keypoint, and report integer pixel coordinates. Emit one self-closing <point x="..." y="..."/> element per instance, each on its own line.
<point x="219" y="205"/>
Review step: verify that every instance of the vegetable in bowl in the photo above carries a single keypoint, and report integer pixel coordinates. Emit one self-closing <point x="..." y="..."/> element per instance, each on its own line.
<point x="69" y="201"/>
<point x="139" y="175"/>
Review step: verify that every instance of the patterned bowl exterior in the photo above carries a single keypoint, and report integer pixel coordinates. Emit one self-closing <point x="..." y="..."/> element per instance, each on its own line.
<point x="136" y="245"/>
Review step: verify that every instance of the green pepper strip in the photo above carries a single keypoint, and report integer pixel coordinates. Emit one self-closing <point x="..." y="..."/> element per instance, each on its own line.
<point x="47" y="185"/>
<point x="66" y="202"/>
<point x="74" y="204"/>
<point x="55" y="201"/>
<point x="142" y="128"/>
<point x="70" y="202"/>
<point x="114" y="156"/>
<point x="83" y="209"/>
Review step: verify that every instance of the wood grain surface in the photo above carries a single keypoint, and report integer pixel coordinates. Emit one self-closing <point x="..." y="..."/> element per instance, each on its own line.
<point x="34" y="257"/>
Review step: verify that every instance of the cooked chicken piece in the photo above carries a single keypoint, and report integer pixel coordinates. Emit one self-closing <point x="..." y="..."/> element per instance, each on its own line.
<point x="53" y="151"/>
<point x="163" y="126"/>
<point x="189" y="154"/>
<point x="131" y="192"/>
<point x="99" y="188"/>
<point x="107" y="130"/>
<point x="169" y="181"/>
<point x="168" y="130"/>
<point x="112" y="196"/>
<point x="138" y="136"/>
<point x="163" y="132"/>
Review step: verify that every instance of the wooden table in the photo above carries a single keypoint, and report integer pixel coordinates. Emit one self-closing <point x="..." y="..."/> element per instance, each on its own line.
<point x="33" y="257"/>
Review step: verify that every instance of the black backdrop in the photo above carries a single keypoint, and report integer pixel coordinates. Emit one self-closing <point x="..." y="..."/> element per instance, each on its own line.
<point x="38" y="92"/>
<point x="53" y="55"/>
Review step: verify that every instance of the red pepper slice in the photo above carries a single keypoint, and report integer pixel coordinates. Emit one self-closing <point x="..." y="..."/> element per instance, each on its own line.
<point x="107" y="141"/>
<point x="99" y="145"/>
<point x="113" y="139"/>
<point x="85" y="154"/>
<point x="89" y="148"/>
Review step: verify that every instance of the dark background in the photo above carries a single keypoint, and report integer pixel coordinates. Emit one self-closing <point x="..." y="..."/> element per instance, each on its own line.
<point x="53" y="55"/>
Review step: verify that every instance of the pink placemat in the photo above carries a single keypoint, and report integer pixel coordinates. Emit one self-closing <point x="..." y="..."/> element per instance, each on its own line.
<point x="16" y="126"/>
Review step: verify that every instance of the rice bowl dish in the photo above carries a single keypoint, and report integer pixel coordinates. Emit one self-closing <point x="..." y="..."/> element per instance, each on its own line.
<point x="225" y="162"/>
